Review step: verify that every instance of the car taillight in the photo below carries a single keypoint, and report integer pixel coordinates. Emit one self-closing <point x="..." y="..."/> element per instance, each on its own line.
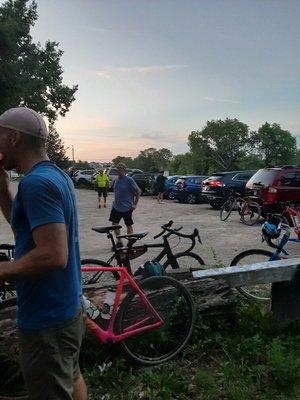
<point x="271" y="195"/>
<point x="216" y="183"/>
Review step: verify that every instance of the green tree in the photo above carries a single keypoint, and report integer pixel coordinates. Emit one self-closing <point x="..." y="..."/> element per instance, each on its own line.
<point x="182" y="164"/>
<point x="82" y="165"/>
<point x="162" y="158"/>
<point x="145" y="159"/>
<point x="219" y="145"/>
<point x="128" y="161"/>
<point x="56" y="149"/>
<point x="275" y="145"/>
<point x="30" y="75"/>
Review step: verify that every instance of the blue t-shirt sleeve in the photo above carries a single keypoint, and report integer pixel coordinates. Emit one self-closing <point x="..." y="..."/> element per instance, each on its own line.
<point x="132" y="184"/>
<point x="41" y="201"/>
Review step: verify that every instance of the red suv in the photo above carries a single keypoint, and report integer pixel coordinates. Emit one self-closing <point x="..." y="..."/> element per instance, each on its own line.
<point x="272" y="185"/>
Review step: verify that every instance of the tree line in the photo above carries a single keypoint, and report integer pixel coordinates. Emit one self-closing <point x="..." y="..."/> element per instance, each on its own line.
<point x="31" y="75"/>
<point x="223" y="145"/>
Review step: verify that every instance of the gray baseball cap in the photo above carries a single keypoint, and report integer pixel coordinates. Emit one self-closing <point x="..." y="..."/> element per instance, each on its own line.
<point x="25" y="120"/>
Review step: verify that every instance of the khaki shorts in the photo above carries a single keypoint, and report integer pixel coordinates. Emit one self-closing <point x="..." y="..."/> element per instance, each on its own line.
<point x="49" y="359"/>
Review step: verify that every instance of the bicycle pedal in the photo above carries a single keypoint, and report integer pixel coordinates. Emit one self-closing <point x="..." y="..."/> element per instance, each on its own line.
<point x="104" y="367"/>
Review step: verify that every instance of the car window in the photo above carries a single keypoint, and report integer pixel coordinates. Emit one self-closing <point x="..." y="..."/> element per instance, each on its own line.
<point x="242" y="177"/>
<point x="198" y="181"/>
<point x="263" y="177"/>
<point x="291" y="179"/>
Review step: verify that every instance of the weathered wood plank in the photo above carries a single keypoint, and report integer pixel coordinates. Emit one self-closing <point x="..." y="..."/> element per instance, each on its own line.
<point x="253" y="274"/>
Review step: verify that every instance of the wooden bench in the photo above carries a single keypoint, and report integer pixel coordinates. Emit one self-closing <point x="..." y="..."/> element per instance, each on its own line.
<point x="284" y="275"/>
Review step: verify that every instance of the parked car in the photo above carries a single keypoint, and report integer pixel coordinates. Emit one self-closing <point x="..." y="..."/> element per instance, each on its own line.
<point x="215" y="188"/>
<point x="145" y="182"/>
<point x="83" y="177"/>
<point x="170" y="182"/>
<point x="131" y="172"/>
<point x="188" y="189"/>
<point x="272" y="185"/>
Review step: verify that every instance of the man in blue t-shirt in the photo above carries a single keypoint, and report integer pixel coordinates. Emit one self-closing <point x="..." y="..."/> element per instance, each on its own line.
<point x="46" y="267"/>
<point x="127" y="194"/>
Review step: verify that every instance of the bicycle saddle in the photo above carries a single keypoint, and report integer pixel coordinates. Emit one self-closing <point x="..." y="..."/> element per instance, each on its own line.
<point x="106" y="229"/>
<point x="134" y="236"/>
<point x="5" y="246"/>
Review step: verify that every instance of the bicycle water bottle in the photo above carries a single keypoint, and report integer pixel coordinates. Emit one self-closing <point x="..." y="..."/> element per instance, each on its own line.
<point x="107" y="308"/>
<point x="90" y="308"/>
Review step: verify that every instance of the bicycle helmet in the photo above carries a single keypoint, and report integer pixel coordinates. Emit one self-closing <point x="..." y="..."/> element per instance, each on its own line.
<point x="272" y="227"/>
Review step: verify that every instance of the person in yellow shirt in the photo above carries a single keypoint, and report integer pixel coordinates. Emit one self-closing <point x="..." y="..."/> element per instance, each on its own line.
<point x="102" y="185"/>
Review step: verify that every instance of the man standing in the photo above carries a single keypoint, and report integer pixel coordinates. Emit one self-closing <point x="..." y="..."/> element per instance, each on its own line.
<point x="161" y="187"/>
<point x="127" y="194"/>
<point x="102" y="185"/>
<point x="46" y="267"/>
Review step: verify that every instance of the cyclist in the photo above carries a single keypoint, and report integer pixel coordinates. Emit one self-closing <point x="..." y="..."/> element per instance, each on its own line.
<point x="102" y="185"/>
<point x="46" y="267"/>
<point x="127" y="194"/>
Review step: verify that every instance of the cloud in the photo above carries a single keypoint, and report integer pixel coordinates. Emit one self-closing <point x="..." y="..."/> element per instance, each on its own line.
<point x="216" y="100"/>
<point x="140" y="70"/>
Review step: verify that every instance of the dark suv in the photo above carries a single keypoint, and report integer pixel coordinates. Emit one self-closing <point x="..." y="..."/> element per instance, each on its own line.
<point x="145" y="181"/>
<point x="216" y="187"/>
<point x="272" y="185"/>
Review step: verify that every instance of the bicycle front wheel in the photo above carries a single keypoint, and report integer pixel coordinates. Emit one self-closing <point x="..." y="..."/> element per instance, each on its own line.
<point x="174" y="304"/>
<point x="186" y="261"/>
<point x="12" y="385"/>
<point x="262" y="292"/>
<point x="226" y="210"/>
<point x="250" y="213"/>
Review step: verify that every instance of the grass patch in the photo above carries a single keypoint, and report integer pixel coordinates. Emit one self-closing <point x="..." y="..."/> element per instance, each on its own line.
<point x="243" y="359"/>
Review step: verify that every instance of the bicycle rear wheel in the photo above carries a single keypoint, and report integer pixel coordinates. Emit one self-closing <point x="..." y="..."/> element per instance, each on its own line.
<point x="226" y="210"/>
<point x="262" y="292"/>
<point x="250" y="213"/>
<point x="12" y="385"/>
<point x="175" y="306"/>
<point x="89" y="278"/>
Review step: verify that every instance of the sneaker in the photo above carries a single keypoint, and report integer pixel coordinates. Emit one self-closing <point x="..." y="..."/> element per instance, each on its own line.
<point x="99" y="206"/>
<point x="104" y="206"/>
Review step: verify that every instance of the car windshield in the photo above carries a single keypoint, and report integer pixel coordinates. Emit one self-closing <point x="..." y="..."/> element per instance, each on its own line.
<point x="263" y="177"/>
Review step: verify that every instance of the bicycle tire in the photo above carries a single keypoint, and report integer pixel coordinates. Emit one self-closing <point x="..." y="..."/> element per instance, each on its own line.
<point x="13" y="388"/>
<point x="89" y="278"/>
<point x="253" y="293"/>
<point x="198" y="262"/>
<point x="158" y="339"/>
<point x="226" y="210"/>
<point x="255" y="213"/>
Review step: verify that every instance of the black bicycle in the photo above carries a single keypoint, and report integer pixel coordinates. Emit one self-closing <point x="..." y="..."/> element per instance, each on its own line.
<point x="123" y="256"/>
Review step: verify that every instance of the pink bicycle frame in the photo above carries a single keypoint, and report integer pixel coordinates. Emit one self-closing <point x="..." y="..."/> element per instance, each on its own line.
<point x="138" y="327"/>
<point x="294" y="214"/>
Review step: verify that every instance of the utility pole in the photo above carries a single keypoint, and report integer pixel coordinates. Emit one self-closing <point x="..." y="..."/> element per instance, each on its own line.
<point x="73" y="159"/>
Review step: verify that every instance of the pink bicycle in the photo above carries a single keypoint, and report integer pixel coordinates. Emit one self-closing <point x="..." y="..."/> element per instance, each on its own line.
<point x="152" y="319"/>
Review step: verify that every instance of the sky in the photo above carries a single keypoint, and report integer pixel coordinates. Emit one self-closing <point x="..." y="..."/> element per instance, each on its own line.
<point x="151" y="71"/>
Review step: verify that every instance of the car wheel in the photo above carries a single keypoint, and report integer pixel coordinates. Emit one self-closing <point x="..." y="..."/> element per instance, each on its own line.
<point x="170" y="195"/>
<point x="191" y="198"/>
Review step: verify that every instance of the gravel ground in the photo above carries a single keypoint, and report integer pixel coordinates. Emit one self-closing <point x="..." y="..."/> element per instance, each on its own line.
<point x="221" y="241"/>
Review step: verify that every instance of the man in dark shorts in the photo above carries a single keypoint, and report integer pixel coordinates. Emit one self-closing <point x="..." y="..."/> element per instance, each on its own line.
<point x="160" y="187"/>
<point x="46" y="267"/>
<point x="102" y="185"/>
<point x="127" y="194"/>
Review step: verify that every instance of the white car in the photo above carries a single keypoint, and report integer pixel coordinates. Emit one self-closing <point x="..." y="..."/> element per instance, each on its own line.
<point x="84" y="177"/>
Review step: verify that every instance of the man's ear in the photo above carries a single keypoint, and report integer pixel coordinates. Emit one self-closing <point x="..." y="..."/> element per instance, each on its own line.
<point x="16" y="138"/>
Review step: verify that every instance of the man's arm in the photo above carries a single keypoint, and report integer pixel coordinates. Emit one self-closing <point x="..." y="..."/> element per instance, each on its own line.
<point x="50" y="254"/>
<point x="137" y="195"/>
<point x="5" y="195"/>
